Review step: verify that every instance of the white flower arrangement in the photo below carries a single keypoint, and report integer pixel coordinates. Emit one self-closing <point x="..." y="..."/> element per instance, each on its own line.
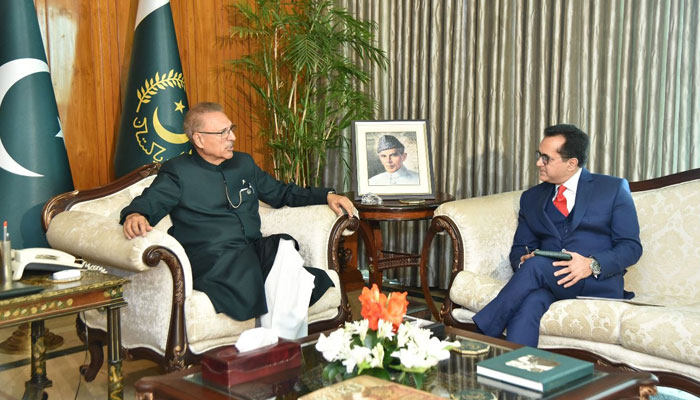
<point x="355" y="349"/>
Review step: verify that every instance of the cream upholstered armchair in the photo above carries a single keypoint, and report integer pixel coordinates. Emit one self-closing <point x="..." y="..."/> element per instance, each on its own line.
<point x="660" y="333"/>
<point x="166" y="320"/>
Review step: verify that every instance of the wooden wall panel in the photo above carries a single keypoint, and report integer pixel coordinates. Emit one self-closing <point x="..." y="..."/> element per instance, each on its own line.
<point x="88" y="48"/>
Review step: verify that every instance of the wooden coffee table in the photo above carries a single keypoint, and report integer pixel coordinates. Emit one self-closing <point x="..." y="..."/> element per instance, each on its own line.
<point x="455" y="376"/>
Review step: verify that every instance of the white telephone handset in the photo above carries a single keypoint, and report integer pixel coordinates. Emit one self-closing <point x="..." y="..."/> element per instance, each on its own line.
<point x="41" y="259"/>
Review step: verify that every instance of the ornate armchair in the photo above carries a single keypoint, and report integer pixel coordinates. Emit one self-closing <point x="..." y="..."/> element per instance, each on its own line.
<point x="166" y="320"/>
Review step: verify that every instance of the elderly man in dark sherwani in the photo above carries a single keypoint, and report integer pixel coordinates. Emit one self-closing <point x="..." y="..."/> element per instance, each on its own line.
<point x="212" y="197"/>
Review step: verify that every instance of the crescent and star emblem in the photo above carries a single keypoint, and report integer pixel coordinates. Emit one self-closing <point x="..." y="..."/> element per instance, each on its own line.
<point x="170" y="137"/>
<point x="156" y="145"/>
<point x="11" y="73"/>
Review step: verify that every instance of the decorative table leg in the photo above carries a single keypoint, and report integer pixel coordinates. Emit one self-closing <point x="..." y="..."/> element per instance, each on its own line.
<point x="116" y="382"/>
<point x="34" y="387"/>
<point x="372" y="237"/>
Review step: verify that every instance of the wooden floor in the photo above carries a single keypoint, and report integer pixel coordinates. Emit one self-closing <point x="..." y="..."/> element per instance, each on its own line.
<point x="64" y="363"/>
<point x="63" y="368"/>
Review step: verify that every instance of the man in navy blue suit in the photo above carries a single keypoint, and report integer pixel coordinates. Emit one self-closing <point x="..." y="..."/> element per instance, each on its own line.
<point x="590" y="216"/>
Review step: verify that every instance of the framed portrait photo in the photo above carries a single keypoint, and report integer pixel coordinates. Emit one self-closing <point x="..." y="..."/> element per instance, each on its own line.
<point x="393" y="159"/>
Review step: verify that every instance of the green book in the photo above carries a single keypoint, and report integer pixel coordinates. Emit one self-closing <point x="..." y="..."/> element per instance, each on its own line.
<point x="534" y="369"/>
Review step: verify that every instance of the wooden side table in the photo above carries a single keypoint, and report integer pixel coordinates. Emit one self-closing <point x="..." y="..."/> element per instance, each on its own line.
<point x="94" y="290"/>
<point x="370" y="231"/>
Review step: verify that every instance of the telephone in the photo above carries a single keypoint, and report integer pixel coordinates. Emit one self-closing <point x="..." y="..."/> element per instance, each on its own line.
<point x="41" y="259"/>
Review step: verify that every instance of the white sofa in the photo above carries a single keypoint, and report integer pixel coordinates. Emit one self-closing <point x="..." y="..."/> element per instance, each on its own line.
<point x="166" y="320"/>
<point x="662" y="339"/>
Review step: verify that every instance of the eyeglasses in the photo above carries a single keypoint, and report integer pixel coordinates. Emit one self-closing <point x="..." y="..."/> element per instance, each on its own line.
<point x="545" y="158"/>
<point x="222" y="133"/>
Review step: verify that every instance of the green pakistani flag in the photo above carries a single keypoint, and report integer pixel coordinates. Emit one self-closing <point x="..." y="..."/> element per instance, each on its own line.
<point x="155" y="102"/>
<point x="33" y="161"/>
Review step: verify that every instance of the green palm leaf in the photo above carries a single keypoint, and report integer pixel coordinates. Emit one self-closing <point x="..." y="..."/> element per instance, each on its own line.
<point x="304" y="86"/>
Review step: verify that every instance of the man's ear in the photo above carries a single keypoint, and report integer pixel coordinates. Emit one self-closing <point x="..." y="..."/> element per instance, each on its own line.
<point x="197" y="140"/>
<point x="403" y="156"/>
<point x="572" y="163"/>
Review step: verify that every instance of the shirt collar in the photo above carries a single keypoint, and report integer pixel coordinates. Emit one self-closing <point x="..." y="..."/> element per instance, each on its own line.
<point x="399" y="172"/>
<point x="571" y="183"/>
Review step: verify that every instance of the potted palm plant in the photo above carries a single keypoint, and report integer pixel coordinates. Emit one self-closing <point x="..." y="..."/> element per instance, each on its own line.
<point x="304" y="80"/>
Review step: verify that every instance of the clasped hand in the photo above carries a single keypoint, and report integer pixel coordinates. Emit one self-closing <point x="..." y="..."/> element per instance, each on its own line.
<point x="579" y="267"/>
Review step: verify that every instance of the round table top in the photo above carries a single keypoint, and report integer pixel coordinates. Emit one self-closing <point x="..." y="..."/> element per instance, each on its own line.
<point x="392" y="209"/>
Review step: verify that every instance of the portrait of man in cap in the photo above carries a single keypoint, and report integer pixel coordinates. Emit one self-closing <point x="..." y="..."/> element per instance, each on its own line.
<point x="392" y="156"/>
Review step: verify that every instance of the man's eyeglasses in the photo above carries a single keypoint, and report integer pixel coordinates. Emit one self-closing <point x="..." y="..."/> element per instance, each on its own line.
<point x="545" y="158"/>
<point x="222" y="133"/>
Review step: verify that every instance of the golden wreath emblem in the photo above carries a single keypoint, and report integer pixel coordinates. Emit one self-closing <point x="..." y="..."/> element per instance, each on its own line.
<point x="150" y="144"/>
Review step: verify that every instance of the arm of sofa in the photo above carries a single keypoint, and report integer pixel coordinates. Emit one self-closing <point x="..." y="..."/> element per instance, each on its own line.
<point x="100" y="240"/>
<point x="486" y="226"/>
<point x="481" y="230"/>
<point x="155" y="316"/>
<point x="316" y="228"/>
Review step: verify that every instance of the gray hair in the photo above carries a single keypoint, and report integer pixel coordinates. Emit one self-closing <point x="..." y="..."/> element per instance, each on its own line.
<point x="194" y="117"/>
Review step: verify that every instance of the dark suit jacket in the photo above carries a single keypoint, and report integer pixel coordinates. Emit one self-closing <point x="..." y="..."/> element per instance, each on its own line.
<point x="603" y="225"/>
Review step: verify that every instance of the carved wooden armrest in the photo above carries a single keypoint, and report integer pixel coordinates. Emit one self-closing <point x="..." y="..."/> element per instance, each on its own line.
<point x="437" y="225"/>
<point x="100" y="240"/>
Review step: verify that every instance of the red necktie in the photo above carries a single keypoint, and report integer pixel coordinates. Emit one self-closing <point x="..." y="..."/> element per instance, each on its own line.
<point x="560" y="201"/>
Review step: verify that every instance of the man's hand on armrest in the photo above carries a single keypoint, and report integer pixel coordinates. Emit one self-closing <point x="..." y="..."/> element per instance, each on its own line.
<point x="338" y="203"/>
<point x="136" y="225"/>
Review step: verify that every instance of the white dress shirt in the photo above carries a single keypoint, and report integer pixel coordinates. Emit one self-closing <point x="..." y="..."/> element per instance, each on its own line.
<point x="570" y="193"/>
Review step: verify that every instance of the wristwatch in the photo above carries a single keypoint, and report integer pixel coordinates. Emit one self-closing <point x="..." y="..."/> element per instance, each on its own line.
<point x="595" y="267"/>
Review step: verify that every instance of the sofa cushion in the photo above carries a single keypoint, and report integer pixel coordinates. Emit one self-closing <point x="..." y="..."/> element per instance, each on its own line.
<point x="294" y="221"/>
<point x="589" y="320"/>
<point x="668" y="332"/>
<point x="614" y="353"/>
<point x="487" y="225"/>
<point x="595" y="320"/>
<point x="206" y="328"/>
<point x="110" y="206"/>
<point x="474" y="291"/>
<point x="669" y="221"/>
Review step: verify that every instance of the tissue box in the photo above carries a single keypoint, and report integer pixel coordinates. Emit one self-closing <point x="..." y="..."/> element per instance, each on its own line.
<point x="226" y="366"/>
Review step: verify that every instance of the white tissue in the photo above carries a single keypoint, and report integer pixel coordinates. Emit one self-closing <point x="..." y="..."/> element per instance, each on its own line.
<point x="255" y="338"/>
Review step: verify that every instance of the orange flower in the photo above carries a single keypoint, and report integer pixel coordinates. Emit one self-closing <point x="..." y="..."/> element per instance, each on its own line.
<point x="376" y="306"/>
<point x="395" y="309"/>
<point x="373" y="303"/>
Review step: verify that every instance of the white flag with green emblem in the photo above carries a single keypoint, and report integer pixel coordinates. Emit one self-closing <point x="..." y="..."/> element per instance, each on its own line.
<point x="155" y="101"/>
<point x="33" y="161"/>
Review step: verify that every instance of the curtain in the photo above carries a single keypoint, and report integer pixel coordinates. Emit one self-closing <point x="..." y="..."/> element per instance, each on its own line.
<point x="491" y="75"/>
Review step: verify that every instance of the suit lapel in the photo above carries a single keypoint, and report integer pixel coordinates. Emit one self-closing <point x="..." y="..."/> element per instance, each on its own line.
<point x="583" y="197"/>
